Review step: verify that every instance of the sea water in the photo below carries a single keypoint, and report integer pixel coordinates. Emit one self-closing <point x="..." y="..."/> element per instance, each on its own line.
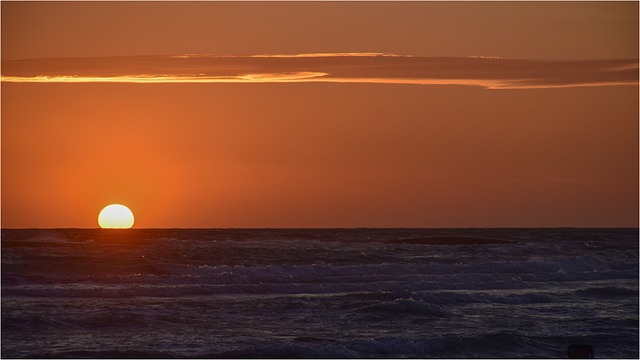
<point x="319" y="293"/>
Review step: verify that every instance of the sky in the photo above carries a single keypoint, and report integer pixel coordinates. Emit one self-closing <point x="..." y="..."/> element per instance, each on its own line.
<point x="320" y="114"/>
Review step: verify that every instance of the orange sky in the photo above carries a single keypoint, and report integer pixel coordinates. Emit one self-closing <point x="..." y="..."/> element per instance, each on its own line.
<point x="526" y="114"/>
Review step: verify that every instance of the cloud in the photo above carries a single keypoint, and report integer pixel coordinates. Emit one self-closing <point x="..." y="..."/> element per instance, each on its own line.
<point x="487" y="72"/>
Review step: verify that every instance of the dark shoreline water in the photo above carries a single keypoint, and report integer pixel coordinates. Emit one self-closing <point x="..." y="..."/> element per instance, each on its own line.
<point x="319" y="293"/>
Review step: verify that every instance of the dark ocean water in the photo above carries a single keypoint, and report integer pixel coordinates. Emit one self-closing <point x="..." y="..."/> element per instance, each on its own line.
<point x="319" y="293"/>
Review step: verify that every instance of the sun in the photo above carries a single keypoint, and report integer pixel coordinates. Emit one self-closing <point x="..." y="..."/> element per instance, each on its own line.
<point x="115" y="216"/>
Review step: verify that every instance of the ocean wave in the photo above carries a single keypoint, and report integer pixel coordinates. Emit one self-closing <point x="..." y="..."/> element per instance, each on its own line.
<point x="410" y="306"/>
<point x="85" y="276"/>
<point x="449" y="298"/>
<point x="46" y="239"/>
<point x="106" y="354"/>
<point x="607" y="292"/>
<point x="288" y="351"/>
<point x="497" y="345"/>
<point x="32" y="322"/>
<point x="450" y="240"/>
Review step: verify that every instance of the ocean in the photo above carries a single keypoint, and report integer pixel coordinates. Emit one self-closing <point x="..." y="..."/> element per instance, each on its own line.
<point x="319" y="293"/>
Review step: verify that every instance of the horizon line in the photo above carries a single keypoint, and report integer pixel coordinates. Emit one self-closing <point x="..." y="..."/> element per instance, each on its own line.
<point x="320" y="228"/>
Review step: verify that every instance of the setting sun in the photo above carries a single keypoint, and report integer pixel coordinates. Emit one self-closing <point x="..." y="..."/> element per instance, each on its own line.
<point x="396" y="167"/>
<point x="115" y="216"/>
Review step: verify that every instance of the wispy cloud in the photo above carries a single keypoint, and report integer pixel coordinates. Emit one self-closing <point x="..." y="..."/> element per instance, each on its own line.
<point x="488" y="72"/>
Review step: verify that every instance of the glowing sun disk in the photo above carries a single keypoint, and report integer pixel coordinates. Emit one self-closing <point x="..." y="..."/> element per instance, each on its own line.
<point x="115" y="216"/>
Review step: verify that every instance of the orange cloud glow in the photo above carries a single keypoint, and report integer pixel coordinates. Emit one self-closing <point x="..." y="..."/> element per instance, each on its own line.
<point x="487" y="72"/>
